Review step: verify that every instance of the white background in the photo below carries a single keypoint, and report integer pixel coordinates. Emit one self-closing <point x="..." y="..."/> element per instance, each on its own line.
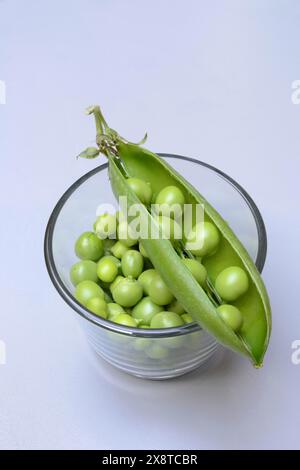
<point x="208" y="79"/>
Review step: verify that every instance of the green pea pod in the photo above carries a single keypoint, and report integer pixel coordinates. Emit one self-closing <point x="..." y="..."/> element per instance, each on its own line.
<point x="252" y="340"/>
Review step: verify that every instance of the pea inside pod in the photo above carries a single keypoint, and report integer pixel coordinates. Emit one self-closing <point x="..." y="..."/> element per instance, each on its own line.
<point x="220" y="250"/>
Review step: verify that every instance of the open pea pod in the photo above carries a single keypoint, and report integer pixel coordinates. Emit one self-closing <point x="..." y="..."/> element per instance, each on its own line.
<point x="252" y="340"/>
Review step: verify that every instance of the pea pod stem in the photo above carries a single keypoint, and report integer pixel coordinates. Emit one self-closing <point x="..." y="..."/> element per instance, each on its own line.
<point x="100" y="122"/>
<point x="107" y="138"/>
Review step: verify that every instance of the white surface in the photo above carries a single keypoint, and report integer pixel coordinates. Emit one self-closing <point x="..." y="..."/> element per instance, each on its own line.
<point x="207" y="79"/>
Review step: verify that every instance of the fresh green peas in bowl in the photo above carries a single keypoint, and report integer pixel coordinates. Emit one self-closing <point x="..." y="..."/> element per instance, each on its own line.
<point x="153" y="353"/>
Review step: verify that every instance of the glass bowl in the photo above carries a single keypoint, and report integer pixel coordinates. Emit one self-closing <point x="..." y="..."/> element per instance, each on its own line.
<point x="146" y="353"/>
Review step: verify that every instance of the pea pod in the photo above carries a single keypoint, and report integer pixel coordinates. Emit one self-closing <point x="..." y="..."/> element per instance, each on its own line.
<point x="252" y="340"/>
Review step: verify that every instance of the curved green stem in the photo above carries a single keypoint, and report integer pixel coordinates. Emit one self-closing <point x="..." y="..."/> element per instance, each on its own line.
<point x="95" y="110"/>
<point x="98" y="113"/>
<point x="98" y="122"/>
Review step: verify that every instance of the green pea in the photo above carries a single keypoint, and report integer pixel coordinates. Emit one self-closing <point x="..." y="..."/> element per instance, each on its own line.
<point x="146" y="278"/>
<point x="114" y="259"/>
<point x="97" y="306"/>
<point x="197" y="269"/>
<point x="119" y="249"/>
<point x="86" y="290"/>
<point x="145" y="310"/>
<point x="85" y="270"/>
<point x="89" y="246"/>
<point x="114" y="310"/>
<point x="159" y="291"/>
<point x="203" y="239"/>
<point x="132" y="263"/>
<point x="125" y="319"/>
<point x="142" y="189"/>
<point x="231" y="283"/>
<point x="231" y="316"/>
<point x="106" y="226"/>
<point x="115" y="282"/>
<point x="126" y="234"/>
<point x="187" y="318"/>
<point x="176" y="307"/>
<point x="107" y="270"/>
<point x="171" y="201"/>
<point x="166" y="320"/>
<point x="128" y="292"/>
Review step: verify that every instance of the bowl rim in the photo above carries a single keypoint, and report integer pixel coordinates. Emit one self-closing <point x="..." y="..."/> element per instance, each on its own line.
<point x="122" y="329"/>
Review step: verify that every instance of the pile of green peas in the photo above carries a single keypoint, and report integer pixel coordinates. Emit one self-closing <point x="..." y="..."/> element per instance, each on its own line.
<point x="115" y="279"/>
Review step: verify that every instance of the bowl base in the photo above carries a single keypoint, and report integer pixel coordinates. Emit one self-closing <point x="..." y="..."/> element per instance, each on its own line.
<point x="163" y="374"/>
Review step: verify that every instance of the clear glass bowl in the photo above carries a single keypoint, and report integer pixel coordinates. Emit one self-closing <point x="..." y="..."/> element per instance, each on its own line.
<point x="151" y="354"/>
